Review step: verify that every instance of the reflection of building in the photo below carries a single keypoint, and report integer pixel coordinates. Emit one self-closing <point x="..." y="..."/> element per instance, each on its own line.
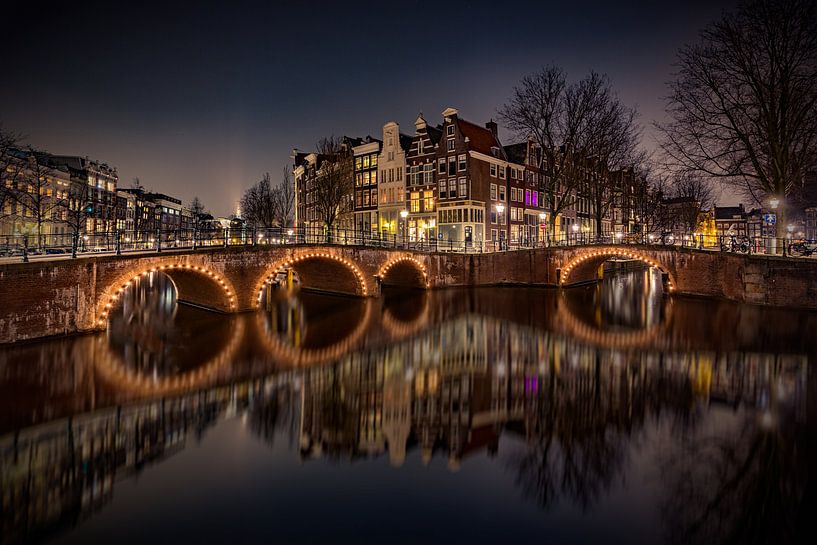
<point x="67" y="469"/>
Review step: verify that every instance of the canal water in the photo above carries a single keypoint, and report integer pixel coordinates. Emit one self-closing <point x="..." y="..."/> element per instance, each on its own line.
<point x="603" y="414"/>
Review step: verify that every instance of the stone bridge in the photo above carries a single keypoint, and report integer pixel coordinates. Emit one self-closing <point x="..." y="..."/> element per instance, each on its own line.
<point x="44" y="298"/>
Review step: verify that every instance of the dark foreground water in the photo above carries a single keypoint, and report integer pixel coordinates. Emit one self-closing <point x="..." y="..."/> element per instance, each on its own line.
<point x="607" y="414"/>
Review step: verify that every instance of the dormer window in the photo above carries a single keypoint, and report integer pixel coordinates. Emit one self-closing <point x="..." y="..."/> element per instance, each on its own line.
<point x="495" y="151"/>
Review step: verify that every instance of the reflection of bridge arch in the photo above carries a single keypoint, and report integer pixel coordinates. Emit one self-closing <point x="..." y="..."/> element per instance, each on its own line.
<point x="114" y="370"/>
<point x="399" y="329"/>
<point x="304" y="264"/>
<point x="404" y="270"/>
<point x="186" y="279"/>
<point x="584" y="265"/>
<point x="294" y="356"/>
<point x="617" y="340"/>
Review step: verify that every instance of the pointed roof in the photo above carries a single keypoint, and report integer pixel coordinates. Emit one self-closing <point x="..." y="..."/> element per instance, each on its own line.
<point x="481" y="139"/>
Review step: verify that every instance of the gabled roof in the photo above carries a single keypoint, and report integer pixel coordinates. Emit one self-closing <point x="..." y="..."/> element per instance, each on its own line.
<point x="434" y="133"/>
<point x="729" y="212"/>
<point x="405" y="141"/>
<point x="480" y="138"/>
<point x="517" y="153"/>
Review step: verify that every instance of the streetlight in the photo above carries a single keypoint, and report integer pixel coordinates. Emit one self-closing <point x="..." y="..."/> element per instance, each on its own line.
<point x="404" y="214"/>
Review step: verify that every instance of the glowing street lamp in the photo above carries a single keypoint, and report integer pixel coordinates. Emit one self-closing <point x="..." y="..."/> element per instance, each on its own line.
<point x="404" y="214"/>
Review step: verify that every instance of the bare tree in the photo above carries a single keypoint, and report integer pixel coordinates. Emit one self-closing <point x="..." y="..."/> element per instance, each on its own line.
<point x="333" y="186"/>
<point x="79" y="207"/>
<point x="36" y="195"/>
<point x="693" y="194"/>
<point x="743" y="104"/>
<point x="285" y="200"/>
<point x="612" y="138"/>
<point x="558" y="116"/>
<point x="197" y="211"/>
<point x="10" y="168"/>
<point x="258" y="203"/>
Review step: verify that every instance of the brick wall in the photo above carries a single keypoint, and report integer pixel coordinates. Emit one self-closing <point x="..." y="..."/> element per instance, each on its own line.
<point x="41" y="299"/>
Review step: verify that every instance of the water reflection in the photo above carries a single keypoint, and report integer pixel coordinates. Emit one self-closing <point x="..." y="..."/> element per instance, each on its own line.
<point x="719" y="433"/>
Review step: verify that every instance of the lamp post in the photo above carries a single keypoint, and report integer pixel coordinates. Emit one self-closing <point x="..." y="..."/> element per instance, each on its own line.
<point x="404" y="214"/>
<point x="542" y="220"/>
<point x="774" y="203"/>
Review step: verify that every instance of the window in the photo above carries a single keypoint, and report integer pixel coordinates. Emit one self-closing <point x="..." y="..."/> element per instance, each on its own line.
<point x="463" y="187"/>
<point x="502" y="193"/>
<point x="502" y="173"/>
<point x="428" y="174"/>
<point x="359" y="179"/>
<point x="441" y="162"/>
<point x="493" y="192"/>
<point x="513" y="174"/>
<point x="374" y="177"/>
<point x="443" y="192"/>
<point x="419" y="147"/>
<point x="461" y="161"/>
<point x="365" y="161"/>
<point x="493" y="170"/>
<point x="452" y="188"/>
<point x="450" y="130"/>
<point x="452" y="166"/>
<point x="374" y="160"/>
<point x="535" y="201"/>
<point x="374" y="197"/>
<point x="428" y="205"/>
<point x="450" y="144"/>
<point x="391" y="156"/>
<point x="527" y="197"/>
<point x="399" y="173"/>
<point x="415" y="201"/>
<point x="367" y="178"/>
<point x="358" y="199"/>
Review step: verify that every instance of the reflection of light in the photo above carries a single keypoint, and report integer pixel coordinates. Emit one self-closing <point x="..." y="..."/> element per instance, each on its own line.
<point x="767" y="420"/>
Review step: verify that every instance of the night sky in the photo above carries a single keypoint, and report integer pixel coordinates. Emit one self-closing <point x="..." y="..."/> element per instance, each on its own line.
<point x="202" y="100"/>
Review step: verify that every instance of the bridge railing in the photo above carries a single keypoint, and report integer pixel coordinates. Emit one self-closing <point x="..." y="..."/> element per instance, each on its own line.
<point x="25" y="247"/>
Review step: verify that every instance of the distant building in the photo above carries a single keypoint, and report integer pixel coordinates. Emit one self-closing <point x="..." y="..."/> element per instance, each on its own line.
<point x="366" y="152"/>
<point x="421" y="161"/>
<point x="392" y="179"/>
<point x="730" y="220"/>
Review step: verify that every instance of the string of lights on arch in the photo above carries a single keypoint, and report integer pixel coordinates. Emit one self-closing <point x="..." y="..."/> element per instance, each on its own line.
<point x="307" y="256"/>
<point x="115" y="297"/>
<point x="611" y="253"/>
<point x="402" y="259"/>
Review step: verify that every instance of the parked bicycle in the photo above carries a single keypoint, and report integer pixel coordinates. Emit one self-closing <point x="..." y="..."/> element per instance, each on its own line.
<point x="803" y="248"/>
<point x="735" y="244"/>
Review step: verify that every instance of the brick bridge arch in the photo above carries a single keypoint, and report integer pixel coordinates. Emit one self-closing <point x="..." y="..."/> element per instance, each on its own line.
<point x="404" y="270"/>
<point x="583" y="265"/>
<point x="194" y="284"/>
<point x="322" y="270"/>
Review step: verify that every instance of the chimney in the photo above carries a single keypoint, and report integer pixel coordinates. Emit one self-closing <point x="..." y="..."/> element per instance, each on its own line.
<point x="491" y="126"/>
